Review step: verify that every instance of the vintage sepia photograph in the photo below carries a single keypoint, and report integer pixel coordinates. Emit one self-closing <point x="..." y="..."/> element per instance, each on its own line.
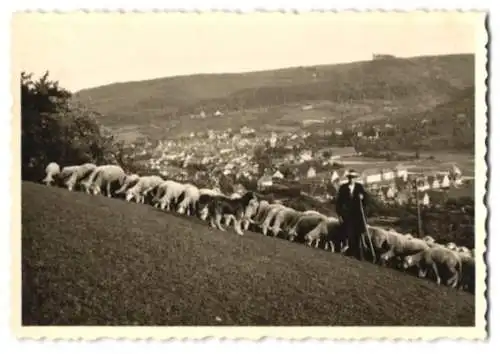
<point x="187" y="175"/>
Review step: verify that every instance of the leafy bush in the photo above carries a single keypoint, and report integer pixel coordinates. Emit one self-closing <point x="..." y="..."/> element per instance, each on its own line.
<point x="55" y="129"/>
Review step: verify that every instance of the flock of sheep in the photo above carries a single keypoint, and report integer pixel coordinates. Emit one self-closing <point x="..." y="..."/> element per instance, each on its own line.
<point x="448" y="264"/>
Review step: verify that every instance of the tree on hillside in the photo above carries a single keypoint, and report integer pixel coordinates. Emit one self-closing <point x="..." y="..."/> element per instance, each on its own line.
<point x="55" y="129"/>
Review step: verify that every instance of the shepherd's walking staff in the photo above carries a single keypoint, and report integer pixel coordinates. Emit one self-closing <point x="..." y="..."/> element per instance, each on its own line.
<point x="365" y="225"/>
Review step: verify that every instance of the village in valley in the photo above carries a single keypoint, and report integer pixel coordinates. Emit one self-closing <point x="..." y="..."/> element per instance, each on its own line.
<point x="232" y="155"/>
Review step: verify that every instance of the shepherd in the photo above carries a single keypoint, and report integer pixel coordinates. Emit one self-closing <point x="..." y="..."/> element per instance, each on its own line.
<point x="350" y="203"/>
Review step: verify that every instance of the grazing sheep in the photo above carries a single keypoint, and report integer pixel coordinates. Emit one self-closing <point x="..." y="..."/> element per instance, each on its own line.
<point x="284" y="220"/>
<point x="66" y="172"/>
<point x="251" y="211"/>
<point x="205" y="196"/>
<point x="51" y="171"/>
<point x="110" y="177"/>
<point x="191" y="195"/>
<point x="130" y="181"/>
<point x="463" y="249"/>
<point x="270" y="216"/>
<point x="442" y="261"/>
<point x="143" y="187"/>
<point x="429" y="240"/>
<point x="381" y="239"/>
<point x="452" y="246"/>
<point x="468" y="278"/>
<point x="168" y="194"/>
<point x="256" y="213"/>
<point x="263" y="210"/>
<point x="305" y="224"/>
<point x="400" y="246"/>
<point x="82" y="175"/>
<point x="328" y="230"/>
<point x="220" y="205"/>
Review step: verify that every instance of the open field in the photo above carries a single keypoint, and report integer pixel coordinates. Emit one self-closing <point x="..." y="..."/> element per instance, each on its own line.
<point x="352" y="93"/>
<point x="98" y="261"/>
<point x="442" y="161"/>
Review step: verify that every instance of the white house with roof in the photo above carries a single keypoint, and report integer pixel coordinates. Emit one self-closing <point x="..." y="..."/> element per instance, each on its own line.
<point x="311" y="172"/>
<point x="435" y="183"/>
<point x="423" y="185"/>
<point x="371" y="175"/>
<point x="401" y="172"/>
<point x="391" y="192"/>
<point x="273" y="140"/>
<point x="387" y="174"/>
<point x="455" y="171"/>
<point x="306" y="155"/>
<point x="445" y="181"/>
<point x="335" y="176"/>
<point x="278" y="175"/>
<point x="425" y="201"/>
<point x="264" y="181"/>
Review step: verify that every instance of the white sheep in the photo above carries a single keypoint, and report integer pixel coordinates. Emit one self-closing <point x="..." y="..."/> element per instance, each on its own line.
<point x="144" y="185"/>
<point x="437" y="259"/>
<point x="271" y="213"/>
<point x="80" y="175"/>
<point x="304" y="224"/>
<point x="429" y="240"/>
<point x="252" y="211"/>
<point x="168" y="194"/>
<point x="468" y="278"/>
<point x="107" y="176"/>
<point x="400" y="246"/>
<point x="51" y="171"/>
<point x="452" y="246"/>
<point x="130" y="181"/>
<point x="463" y="249"/>
<point x="328" y="230"/>
<point x="188" y="204"/>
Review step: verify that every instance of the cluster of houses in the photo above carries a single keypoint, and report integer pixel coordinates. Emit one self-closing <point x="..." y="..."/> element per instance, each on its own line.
<point x="231" y="153"/>
<point x="399" y="186"/>
<point x="203" y="156"/>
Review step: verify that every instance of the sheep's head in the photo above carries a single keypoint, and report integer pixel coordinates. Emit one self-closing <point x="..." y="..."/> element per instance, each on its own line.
<point x="129" y="196"/>
<point x="48" y="180"/>
<point x="429" y="240"/>
<point x="463" y="249"/>
<point x="385" y="257"/>
<point x="251" y="208"/>
<point x="181" y="209"/>
<point x="408" y="262"/>
<point x="204" y="213"/>
<point x="96" y="190"/>
<point x="452" y="246"/>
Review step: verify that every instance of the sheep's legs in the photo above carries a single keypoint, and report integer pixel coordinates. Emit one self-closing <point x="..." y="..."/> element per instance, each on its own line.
<point x="218" y="218"/>
<point x="227" y="220"/>
<point x="237" y="227"/>
<point x="108" y="189"/>
<point x="453" y="281"/>
<point x="434" y="268"/>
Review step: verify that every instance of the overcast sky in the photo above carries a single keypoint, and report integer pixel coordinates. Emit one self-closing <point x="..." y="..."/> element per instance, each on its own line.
<point x="85" y="50"/>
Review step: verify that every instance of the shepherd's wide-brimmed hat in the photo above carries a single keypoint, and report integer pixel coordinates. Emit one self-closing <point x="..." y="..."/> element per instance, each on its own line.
<point x="352" y="173"/>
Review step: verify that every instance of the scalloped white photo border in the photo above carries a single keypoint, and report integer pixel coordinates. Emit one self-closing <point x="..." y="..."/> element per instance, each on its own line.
<point x="255" y="333"/>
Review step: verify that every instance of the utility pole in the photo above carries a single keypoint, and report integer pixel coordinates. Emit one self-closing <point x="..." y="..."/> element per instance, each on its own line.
<point x="419" y="218"/>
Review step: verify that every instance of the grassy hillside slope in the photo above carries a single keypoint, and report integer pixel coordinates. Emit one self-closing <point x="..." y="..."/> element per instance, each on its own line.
<point x="98" y="261"/>
<point x="362" y="90"/>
